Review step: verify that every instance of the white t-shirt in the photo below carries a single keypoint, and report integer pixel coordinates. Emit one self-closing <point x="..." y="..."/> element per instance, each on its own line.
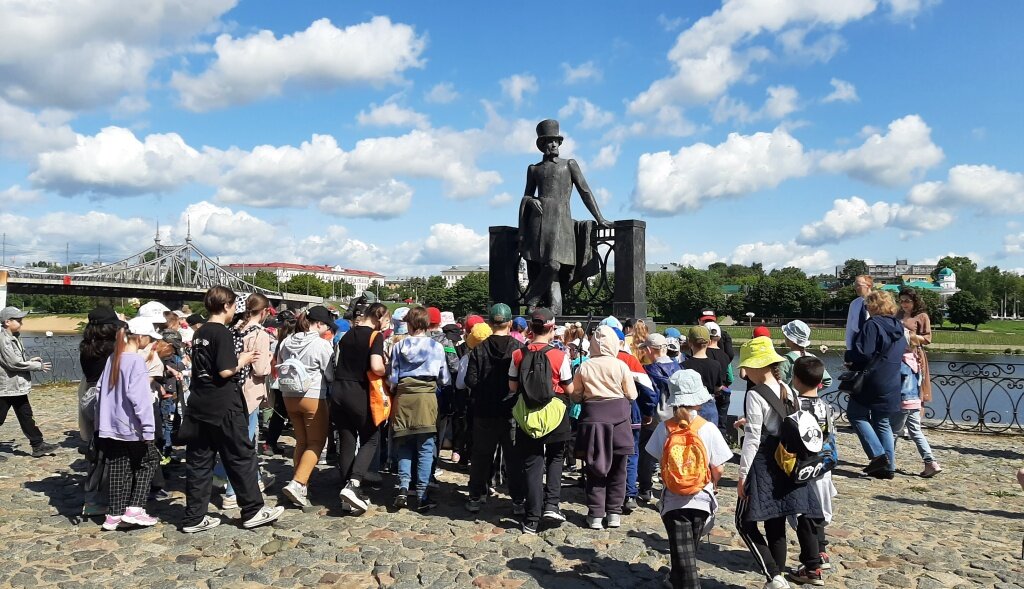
<point x="719" y="453"/>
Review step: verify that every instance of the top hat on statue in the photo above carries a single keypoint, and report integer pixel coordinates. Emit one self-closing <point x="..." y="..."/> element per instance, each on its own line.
<point x="547" y="129"/>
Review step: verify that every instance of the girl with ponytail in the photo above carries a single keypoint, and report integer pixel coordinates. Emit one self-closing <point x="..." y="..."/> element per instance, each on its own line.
<point x="126" y="426"/>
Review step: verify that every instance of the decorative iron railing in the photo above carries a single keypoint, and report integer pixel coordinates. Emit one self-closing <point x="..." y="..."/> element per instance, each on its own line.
<point x="968" y="396"/>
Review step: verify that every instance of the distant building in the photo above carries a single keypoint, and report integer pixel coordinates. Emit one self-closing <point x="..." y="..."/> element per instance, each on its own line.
<point x="360" y="279"/>
<point x="656" y="268"/>
<point x="456" y="273"/>
<point x="947" y="283"/>
<point x="899" y="272"/>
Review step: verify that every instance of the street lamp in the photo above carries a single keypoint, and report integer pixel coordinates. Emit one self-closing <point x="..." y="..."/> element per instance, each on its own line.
<point x="750" y="317"/>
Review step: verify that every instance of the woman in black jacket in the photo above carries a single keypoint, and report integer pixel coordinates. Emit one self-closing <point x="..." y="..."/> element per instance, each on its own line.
<point x="878" y="348"/>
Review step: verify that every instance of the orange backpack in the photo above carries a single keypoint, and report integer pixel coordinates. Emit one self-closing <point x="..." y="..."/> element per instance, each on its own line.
<point x="684" y="461"/>
<point x="380" y="403"/>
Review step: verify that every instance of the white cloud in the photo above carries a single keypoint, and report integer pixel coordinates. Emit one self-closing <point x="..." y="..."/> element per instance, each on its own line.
<point x="517" y="85"/>
<point x="607" y="156"/>
<point x="770" y="255"/>
<point x="668" y="184"/>
<point x="81" y="54"/>
<point x="854" y="216"/>
<point x="908" y="8"/>
<point x="51" y="235"/>
<point x="232" y="235"/>
<point x="822" y="49"/>
<point x="18" y="195"/>
<point x="390" y="114"/>
<point x="901" y="156"/>
<point x="261" y="65"/>
<point x="583" y="72"/>
<point x="670" y="24"/>
<point x="603" y="195"/>
<point x="442" y="93"/>
<point x="453" y="244"/>
<point x="390" y="199"/>
<point x="592" y="116"/>
<point x="700" y="260"/>
<point x="842" y="91"/>
<point x="981" y="187"/>
<point x="1013" y="244"/>
<point x="502" y="199"/>
<point x="781" y="101"/>
<point x="24" y="134"/>
<point x="114" y="162"/>
<point x="706" y="59"/>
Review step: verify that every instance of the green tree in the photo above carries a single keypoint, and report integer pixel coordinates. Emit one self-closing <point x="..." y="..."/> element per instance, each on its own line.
<point x="263" y="279"/>
<point x="789" y="273"/>
<point x="69" y="304"/>
<point x="412" y="289"/>
<point x="933" y="302"/>
<point x="435" y="293"/>
<point x="964" y="307"/>
<point x="853" y="268"/>
<point x="470" y="294"/>
<point x="307" y="284"/>
<point x="785" y="296"/>
<point x="842" y="298"/>
<point x="697" y="291"/>
<point x="663" y="293"/>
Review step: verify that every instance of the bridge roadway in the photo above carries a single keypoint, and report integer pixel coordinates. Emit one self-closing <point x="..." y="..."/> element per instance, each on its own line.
<point x="84" y="286"/>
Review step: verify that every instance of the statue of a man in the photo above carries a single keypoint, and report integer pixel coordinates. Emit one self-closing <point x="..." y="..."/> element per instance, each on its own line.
<point x="547" y="235"/>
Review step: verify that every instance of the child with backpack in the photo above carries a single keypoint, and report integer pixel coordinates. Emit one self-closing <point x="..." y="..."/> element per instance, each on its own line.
<point x="767" y="492"/>
<point x="660" y="367"/>
<point x="798" y="338"/>
<point x="304" y="371"/>
<point x="491" y="402"/>
<point x="693" y="454"/>
<point x="541" y="378"/>
<point x="605" y="441"/>
<point x="807" y="377"/>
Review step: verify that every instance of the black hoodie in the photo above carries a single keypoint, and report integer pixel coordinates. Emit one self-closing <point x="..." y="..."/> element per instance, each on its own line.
<point x="487" y="376"/>
<point x="879" y="345"/>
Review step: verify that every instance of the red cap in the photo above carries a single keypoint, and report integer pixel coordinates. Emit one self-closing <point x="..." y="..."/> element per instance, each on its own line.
<point x="473" y="320"/>
<point x="434" y="315"/>
<point x="762" y="331"/>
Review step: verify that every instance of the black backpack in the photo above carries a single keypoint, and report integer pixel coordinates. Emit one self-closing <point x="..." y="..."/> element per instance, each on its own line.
<point x="800" y="452"/>
<point x="535" y="378"/>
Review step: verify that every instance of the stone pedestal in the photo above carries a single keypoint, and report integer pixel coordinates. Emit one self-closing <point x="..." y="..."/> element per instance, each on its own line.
<point x="630" y="296"/>
<point x="503" y="273"/>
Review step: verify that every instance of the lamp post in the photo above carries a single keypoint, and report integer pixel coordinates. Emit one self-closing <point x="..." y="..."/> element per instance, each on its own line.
<point x="750" y="318"/>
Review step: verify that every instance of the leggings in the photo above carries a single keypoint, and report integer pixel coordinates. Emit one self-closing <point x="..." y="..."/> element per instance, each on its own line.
<point x="309" y="419"/>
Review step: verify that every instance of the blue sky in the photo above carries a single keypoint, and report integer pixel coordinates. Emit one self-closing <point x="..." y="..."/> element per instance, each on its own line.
<point x="390" y="135"/>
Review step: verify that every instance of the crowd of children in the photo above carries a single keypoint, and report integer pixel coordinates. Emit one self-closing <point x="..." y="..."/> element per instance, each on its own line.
<point x="386" y="390"/>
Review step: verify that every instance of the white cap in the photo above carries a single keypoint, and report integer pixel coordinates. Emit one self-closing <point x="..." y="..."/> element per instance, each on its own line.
<point x="143" y="326"/>
<point x="154" y="311"/>
<point x="181" y="314"/>
<point x="713" y="329"/>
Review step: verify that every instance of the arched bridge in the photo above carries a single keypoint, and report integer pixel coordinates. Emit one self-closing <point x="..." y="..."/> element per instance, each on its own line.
<point x="165" y="272"/>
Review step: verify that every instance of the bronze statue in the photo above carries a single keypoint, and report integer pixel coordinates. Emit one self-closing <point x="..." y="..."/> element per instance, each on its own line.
<point x="550" y="242"/>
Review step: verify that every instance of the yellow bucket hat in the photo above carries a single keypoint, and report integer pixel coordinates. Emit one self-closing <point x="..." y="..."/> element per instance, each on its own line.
<point x="758" y="353"/>
<point x="478" y="334"/>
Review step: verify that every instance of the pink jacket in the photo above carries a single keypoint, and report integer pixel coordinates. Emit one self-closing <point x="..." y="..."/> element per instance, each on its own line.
<point x="254" y="387"/>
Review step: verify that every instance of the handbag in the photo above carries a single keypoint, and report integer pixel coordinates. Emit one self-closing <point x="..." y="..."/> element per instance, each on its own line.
<point x="852" y="381"/>
<point x="380" y="402"/>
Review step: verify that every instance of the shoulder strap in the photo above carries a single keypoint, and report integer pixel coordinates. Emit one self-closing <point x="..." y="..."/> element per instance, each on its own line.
<point x="373" y="337"/>
<point x="696" y="423"/>
<point x="773" y="400"/>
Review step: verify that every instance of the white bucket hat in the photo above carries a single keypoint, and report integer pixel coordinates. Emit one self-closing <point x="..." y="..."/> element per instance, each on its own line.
<point x="686" y="389"/>
<point x="797" y="332"/>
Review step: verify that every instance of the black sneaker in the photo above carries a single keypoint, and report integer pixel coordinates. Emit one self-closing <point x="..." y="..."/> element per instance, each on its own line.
<point x="630" y="505"/>
<point x="401" y="499"/>
<point x="529" y="529"/>
<point x="826" y="562"/>
<point x="878" y="464"/>
<point x="425" y="504"/>
<point x="44" y="449"/>
<point x="885" y="475"/>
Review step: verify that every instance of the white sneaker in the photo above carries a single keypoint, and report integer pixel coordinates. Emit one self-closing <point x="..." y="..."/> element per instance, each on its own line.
<point x="208" y="523"/>
<point x="229" y="502"/>
<point x="296" y="492"/>
<point x="778" y="582"/>
<point x="614" y="520"/>
<point x="264" y="516"/>
<point x="595" y="523"/>
<point x="350" y="495"/>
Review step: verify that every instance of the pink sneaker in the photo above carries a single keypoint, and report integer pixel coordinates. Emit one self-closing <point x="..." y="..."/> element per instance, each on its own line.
<point x="138" y="516"/>
<point x="111" y="523"/>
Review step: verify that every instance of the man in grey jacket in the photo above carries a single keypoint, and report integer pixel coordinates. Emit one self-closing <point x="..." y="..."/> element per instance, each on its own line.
<point x="16" y="381"/>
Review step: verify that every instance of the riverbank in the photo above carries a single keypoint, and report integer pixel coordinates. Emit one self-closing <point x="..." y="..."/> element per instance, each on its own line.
<point x="58" y="324"/>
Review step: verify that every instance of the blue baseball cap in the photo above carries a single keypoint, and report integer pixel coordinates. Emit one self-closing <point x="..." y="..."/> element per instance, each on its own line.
<point x="672" y="332"/>
<point x="519" y="323"/>
<point x="619" y="334"/>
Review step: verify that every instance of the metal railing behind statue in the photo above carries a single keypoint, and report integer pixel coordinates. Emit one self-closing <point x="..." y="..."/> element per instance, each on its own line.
<point x="982" y="397"/>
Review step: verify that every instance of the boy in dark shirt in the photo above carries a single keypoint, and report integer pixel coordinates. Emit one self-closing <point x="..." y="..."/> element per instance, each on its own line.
<point x="710" y="372"/>
<point x="217" y="422"/>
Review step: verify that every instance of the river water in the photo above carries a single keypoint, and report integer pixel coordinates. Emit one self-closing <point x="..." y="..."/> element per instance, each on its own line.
<point x="978" y="385"/>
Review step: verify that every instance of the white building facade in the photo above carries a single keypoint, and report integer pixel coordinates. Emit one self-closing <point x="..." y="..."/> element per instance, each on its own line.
<point x="284" y="271"/>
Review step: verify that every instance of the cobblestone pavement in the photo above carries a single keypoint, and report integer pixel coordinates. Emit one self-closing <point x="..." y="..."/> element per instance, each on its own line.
<point x="962" y="529"/>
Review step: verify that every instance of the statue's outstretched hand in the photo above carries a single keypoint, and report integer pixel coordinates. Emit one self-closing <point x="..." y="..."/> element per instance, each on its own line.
<point x="602" y="222"/>
<point x="538" y="208"/>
